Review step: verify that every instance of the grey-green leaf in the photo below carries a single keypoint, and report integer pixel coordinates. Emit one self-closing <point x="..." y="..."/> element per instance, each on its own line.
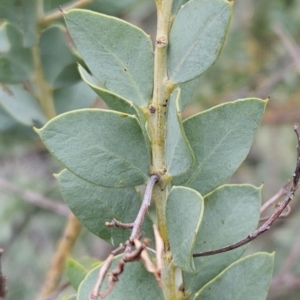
<point x="187" y="90"/>
<point x="135" y="283"/>
<point x="179" y="155"/>
<point x="221" y="138"/>
<point x="75" y="272"/>
<point x="55" y="61"/>
<point x="184" y="215"/>
<point x="94" y="205"/>
<point x="231" y="212"/>
<point x="16" y="64"/>
<point x="73" y="97"/>
<point x="203" y="24"/>
<point x="119" y="54"/>
<point x="248" y="279"/>
<point x="21" y="105"/>
<point x="101" y="146"/>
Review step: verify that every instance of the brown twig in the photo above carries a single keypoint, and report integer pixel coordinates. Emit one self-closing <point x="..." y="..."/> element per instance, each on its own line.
<point x="139" y="253"/>
<point x="280" y="208"/>
<point x="2" y="280"/>
<point x="57" y="14"/>
<point x="34" y="198"/>
<point x="283" y="215"/>
<point x="118" y="224"/>
<point x="64" y="249"/>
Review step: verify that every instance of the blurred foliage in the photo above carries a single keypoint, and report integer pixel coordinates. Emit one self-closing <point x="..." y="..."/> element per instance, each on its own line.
<point x="257" y="60"/>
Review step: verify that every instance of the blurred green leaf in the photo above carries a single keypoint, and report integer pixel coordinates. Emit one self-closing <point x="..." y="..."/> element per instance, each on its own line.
<point x="112" y="7"/>
<point x="6" y="121"/>
<point x="221" y="138"/>
<point x="94" y="205"/>
<point x="136" y="283"/>
<point x="177" y="5"/>
<point x="184" y="214"/>
<point x="23" y="14"/>
<point x="21" y="105"/>
<point x="73" y="97"/>
<point x="75" y="273"/>
<point x="231" y="212"/>
<point x="16" y="63"/>
<point x="56" y="61"/>
<point x="115" y="53"/>
<point x="100" y="146"/>
<point x="179" y="154"/>
<point x="73" y="297"/>
<point x="248" y="279"/>
<point x="203" y="24"/>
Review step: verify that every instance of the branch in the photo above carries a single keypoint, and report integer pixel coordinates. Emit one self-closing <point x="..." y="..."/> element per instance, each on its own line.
<point x="64" y="249"/>
<point x="57" y="14"/>
<point x="280" y="208"/>
<point x="34" y="198"/>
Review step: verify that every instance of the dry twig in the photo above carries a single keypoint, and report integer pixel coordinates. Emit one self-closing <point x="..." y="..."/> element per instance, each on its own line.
<point x="280" y="208"/>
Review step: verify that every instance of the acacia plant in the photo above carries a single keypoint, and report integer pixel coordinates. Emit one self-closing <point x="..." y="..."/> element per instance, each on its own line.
<point x="142" y="140"/>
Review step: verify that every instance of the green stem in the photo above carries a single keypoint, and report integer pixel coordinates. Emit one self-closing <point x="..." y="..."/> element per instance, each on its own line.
<point x="157" y="128"/>
<point x="44" y="91"/>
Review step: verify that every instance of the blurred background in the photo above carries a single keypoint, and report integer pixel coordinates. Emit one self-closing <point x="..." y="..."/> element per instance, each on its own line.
<point x="261" y="58"/>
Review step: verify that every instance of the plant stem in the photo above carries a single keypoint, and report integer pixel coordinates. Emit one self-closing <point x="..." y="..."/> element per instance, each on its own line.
<point x="64" y="248"/>
<point x="44" y="91"/>
<point x="57" y="14"/>
<point x="157" y="128"/>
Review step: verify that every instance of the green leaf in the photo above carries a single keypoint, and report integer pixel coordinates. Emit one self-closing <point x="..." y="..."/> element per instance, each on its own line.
<point x="220" y="138"/>
<point x="135" y="283"/>
<point x="103" y="147"/>
<point x="94" y="205"/>
<point x="231" y="212"/>
<point x="248" y="279"/>
<point x="22" y="14"/>
<point x="203" y="24"/>
<point x="21" y="105"/>
<point x="177" y="4"/>
<point x="6" y="121"/>
<point x="114" y="51"/>
<point x="73" y="297"/>
<point x="54" y="62"/>
<point x="179" y="155"/>
<point x="16" y="64"/>
<point x="75" y="272"/>
<point x="184" y="215"/>
<point x="73" y="97"/>
<point x="187" y="90"/>
<point x="112" y="100"/>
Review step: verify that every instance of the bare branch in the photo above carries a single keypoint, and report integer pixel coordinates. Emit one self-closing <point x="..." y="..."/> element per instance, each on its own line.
<point x="280" y="208"/>
<point x="144" y="207"/>
<point x="283" y="215"/>
<point x="118" y="224"/>
<point x="279" y="194"/>
<point x="34" y="198"/>
<point x="57" y="14"/>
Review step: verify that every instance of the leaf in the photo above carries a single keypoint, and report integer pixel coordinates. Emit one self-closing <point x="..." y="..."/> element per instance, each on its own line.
<point x="73" y="297"/>
<point x="220" y="138"/>
<point x="22" y="14"/>
<point x="73" y="97"/>
<point x="179" y="155"/>
<point x="231" y="212"/>
<point x="119" y="54"/>
<point x="177" y="5"/>
<point x="203" y="24"/>
<point x="184" y="215"/>
<point x="248" y="279"/>
<point x="100" y="146"/>
<point x="75" y="272"/>
<point x="16" y="64"/>
<point x="187" y="90"/>
<point x="54" y="62"/>
<point x="20" y="105"/>
<point x="94" y="205"/>
<point x="6" y="121"/>
<point x="112" y="100"/>
<point x="135" y="283"/>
